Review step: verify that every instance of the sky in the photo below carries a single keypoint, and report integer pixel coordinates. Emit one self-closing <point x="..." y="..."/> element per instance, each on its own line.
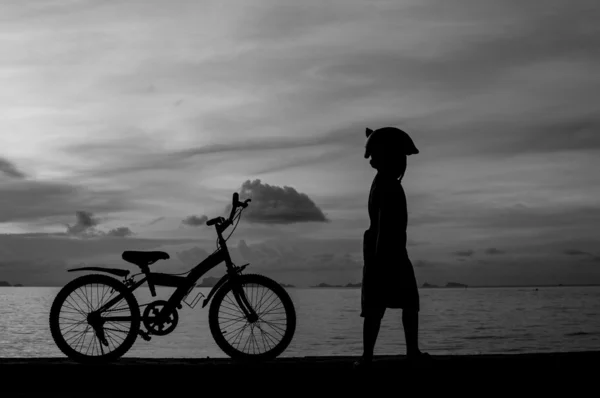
<point x="124" y="125"/>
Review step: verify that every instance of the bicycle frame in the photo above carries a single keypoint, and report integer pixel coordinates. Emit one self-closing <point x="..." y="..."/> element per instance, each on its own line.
<point x="184" y="284"/>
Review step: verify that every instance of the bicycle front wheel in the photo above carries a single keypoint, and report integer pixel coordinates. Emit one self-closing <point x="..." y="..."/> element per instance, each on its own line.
<point x="264" y="338"/>
<point x="81" y="338"/>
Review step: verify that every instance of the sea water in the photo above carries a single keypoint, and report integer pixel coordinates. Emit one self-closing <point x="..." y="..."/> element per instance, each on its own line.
<point x="452" y="321"/>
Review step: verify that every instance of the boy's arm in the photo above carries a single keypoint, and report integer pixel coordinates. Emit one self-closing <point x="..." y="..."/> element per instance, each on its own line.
<point x="388" y="224"/>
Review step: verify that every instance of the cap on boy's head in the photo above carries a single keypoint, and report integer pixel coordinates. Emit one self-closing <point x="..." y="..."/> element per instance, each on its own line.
<point x="389" y="137"/>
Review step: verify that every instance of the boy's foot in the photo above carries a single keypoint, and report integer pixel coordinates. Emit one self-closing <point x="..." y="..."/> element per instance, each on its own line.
<point x="362" y="363"/>
<point x="419" y="357"/>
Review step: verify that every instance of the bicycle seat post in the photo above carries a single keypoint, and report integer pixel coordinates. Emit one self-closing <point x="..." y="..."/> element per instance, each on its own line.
<point x="146" y="271"/>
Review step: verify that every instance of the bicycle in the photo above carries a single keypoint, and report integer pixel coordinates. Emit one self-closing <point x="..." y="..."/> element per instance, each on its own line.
<point x="160" y="317"/>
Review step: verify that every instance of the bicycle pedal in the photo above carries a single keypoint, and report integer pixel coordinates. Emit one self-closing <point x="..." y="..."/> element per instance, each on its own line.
<point x="144" y="335"/>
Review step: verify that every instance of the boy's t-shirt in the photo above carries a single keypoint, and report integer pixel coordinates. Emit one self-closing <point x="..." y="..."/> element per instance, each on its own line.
<point x="388" y="216"/>
<point x="388" y="274"/>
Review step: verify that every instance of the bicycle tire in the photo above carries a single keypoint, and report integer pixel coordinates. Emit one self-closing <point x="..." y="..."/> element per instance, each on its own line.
<point x="72" y="286"/>
<point x="219" y="335"/>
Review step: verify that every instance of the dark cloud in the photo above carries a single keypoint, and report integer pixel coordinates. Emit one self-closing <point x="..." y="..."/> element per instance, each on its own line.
<point x="120" y="232"/>
<point x="278" y="205"/>
<point x="156" y="220"/>
<point x="551" y="134"/>
<point x="266" y="250"/>
<point x="482" y="61"/>
<point x="309" y="265"/>
<point x="464" y="253"/>
<point x="249" y="254"/>
<point x="350" y="134"/>
<point x="41" y="259"/>
<point x="192" y="256"/>
<point x="85" y="224"/>
<point x="27" y="200"/>
<point x="493" y="251"/>
<point x="149" y="158"/>
<point x="511" y="217"/>
<point x="575" y="252"/>
<point x="86" y="227"/>
<point x="9" y="169"/>
<point x="195" y="221"/>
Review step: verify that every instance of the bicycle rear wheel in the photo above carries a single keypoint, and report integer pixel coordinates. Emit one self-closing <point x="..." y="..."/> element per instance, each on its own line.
<point x="74" y="332"/>
<point x="237" y="336"/>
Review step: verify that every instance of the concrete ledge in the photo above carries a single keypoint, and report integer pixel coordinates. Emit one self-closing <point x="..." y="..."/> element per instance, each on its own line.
<point x="158" y="377"/>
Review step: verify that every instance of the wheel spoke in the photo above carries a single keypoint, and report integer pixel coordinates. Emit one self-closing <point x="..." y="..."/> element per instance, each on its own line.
<point x="270" y="333"/>
<point x="75" y="333"/>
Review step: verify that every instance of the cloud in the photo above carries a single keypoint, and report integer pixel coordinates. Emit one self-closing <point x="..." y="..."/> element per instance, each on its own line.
<point x="250" y="254"/>
<point x="278" y="205"/>
<point x="192" y="256"/>
<point x="41" y="259"/>
<point x="128" y="156"/>
<point x="28" y="200"/>
<point x="500" y="95"/>
<point x="120" y="232"/>
<point x="586" y="257"/>
<point x="553" y="134"/>
<point x="86" y="223"/>
<point x="493" y="250"/>
<point x="156" y="220"/>
<point x="575" y="252"/>
<point x="195" y="221"/>
<point x="86" y="227"/>
<point x="10" y="169"/>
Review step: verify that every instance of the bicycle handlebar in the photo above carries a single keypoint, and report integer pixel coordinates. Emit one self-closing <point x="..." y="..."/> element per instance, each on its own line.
<point x="235" y="203"/>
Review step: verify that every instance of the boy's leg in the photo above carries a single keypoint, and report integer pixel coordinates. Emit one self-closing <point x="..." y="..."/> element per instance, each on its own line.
<point x="410" y="321"/>
<point x="371" y="326"/>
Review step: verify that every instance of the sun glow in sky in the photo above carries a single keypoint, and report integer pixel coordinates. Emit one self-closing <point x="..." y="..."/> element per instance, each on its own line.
<point x="120" y="119"/>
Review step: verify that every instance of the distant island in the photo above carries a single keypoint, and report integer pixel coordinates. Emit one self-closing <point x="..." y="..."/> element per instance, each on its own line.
<point x="286" y="285"/>
<point x="6" y="284"/>
<point x="326" y="285"/>
<point x="454" y="284"/>
<point x="449" y="284"/>
<point x="356" y="285"/>
<point x="212" y="281"/>
<point x="322" y="285"/>
<point x="208" y="282"/>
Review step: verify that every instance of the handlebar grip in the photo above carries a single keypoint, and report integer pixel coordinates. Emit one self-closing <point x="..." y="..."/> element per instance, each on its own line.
<point x="236" y="198"/>
<point x="213" y="221"/>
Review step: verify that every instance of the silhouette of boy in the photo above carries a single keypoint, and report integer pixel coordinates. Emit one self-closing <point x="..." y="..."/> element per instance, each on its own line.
<point x="388" y="275"/>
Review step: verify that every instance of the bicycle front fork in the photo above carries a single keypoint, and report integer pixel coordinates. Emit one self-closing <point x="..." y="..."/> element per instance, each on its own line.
<point x="242" y="301"/>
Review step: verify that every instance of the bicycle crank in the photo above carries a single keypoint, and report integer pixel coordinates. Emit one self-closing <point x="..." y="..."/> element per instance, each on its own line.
<point x="159" y="328"/>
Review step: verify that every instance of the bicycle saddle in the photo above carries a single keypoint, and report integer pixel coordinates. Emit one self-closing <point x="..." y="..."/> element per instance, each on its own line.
<point x="143" y="258"/>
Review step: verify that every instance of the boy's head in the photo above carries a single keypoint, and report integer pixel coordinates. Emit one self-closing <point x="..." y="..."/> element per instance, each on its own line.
<point x="388" y="149"/>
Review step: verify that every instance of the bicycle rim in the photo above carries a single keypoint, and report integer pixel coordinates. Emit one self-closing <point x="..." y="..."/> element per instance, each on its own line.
<point x="71" y="330"/>
<point x="266" y="338"/>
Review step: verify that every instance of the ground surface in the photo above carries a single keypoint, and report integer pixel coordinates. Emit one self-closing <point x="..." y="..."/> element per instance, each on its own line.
<point x="195" y="377"/>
